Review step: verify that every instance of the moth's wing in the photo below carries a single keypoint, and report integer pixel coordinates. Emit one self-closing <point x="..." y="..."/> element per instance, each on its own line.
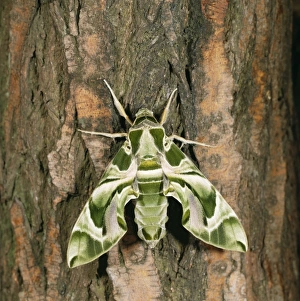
<point x="205" y="212"/>
<point x="101" y="223"/>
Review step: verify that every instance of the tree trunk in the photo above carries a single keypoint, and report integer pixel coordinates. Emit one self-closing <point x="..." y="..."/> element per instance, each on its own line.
<point x="231" y="65"/>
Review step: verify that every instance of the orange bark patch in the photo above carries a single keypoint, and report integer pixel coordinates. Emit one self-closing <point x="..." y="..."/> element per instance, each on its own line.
<point x="20" y="18"/>
<point x="91" y="44"/>
<point x="52" y="258"/>
<point x="225" y="280"/>
<point x="32" y="276"/>
<point x="257" y="109"/>
<point x="217" y="102"/>
<point x="24" y="258"/>
<point x="88" y="105"/>
<point x="91" y="109"/>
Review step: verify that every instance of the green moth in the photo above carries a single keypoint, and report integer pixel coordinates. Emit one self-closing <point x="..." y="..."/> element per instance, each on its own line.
<point x="149" y="168"/>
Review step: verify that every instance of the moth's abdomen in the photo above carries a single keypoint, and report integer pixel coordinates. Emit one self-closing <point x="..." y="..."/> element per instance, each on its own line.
<point x="151" y="206"/>
<point x="151" y="217"/>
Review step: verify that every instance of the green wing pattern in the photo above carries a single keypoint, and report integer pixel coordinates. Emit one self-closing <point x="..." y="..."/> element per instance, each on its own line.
<point x="205" y="212"/>
<point x="102" y="224"/>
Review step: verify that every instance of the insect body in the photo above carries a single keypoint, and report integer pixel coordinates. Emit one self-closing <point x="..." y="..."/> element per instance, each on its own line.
<point x="149" y="168"/>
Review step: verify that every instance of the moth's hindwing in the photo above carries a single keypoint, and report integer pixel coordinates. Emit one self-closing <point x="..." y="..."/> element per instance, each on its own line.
<point x="102" y="224"/>
<point x="205" y="212"/>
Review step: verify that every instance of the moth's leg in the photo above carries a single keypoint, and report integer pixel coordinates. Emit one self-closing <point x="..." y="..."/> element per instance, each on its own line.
<point x="165" y="113"/>
<point x="185" y="141"/>
<point x="118" y="105"/>
<point x="109" y="135"/>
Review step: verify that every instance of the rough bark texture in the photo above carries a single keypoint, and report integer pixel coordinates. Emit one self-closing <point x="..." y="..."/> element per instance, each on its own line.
<point x="231" y="64"/>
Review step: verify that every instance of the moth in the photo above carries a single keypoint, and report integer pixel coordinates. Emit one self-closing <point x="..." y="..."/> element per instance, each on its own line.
<point x="149" y="168"/>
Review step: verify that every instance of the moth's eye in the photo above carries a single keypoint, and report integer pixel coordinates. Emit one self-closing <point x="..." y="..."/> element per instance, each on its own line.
<point x="128" y="147"/>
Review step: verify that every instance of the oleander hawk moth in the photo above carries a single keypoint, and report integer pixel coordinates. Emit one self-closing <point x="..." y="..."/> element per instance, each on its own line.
<point x="149" y="168"/>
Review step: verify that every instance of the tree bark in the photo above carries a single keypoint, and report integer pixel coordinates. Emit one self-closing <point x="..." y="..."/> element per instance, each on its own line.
<point x="231" y="65"/>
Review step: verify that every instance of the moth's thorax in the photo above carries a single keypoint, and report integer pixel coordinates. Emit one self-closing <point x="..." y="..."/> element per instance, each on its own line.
<point x="147" y="139"/>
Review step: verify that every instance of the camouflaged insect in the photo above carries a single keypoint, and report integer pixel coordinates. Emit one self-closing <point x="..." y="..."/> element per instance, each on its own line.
<point x="149" y="168"/>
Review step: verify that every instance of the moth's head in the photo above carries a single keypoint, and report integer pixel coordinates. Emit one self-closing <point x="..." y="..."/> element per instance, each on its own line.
<point x="144" y="114"/>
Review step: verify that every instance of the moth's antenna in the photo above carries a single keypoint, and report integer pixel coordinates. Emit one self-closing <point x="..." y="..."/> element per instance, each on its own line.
<point x="117" y="104"/>
<point x="165" y="113"/>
